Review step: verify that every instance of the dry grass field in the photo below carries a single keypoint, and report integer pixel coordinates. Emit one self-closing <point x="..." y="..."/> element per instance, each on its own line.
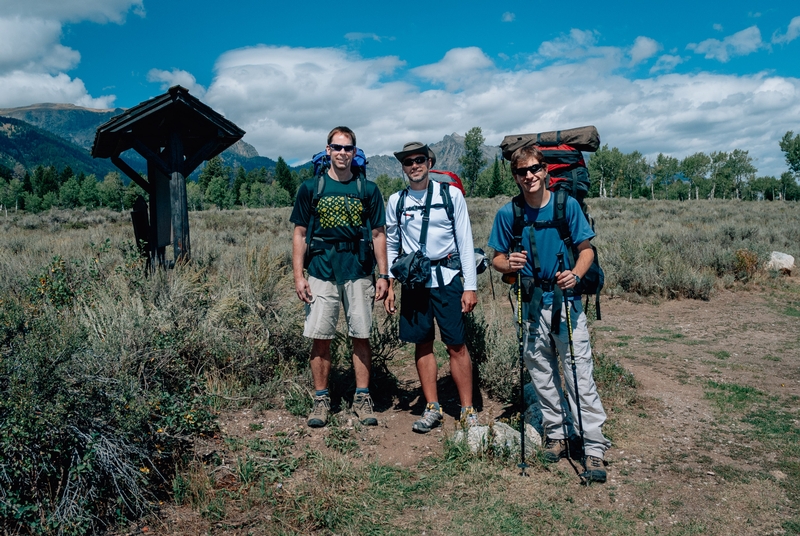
<point x="174" y="403"/>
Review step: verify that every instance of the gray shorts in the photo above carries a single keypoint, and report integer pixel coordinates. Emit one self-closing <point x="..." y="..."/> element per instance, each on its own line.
<point x="322" y="314"/>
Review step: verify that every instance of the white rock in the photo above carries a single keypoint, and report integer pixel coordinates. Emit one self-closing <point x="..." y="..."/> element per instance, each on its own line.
<point x="781" y="261"/>
<point x="502" y="436"/>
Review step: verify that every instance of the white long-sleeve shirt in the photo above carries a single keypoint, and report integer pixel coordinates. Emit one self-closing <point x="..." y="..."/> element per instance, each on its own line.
<point x="440" y="241"/>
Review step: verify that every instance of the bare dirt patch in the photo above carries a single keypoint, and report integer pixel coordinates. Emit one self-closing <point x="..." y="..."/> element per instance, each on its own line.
<point x="678" y="465"/>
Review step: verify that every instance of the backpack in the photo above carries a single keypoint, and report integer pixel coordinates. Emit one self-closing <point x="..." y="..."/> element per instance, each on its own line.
<point x="450" y="178"/>
<point x="562" y="151"/>
<point x="364" y="245"/>
<point x="592" y="282"/>
<point x="322" y="162"/>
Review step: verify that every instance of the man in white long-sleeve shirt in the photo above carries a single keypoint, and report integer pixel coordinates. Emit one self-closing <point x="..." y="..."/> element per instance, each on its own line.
<point x="444" y="297"/>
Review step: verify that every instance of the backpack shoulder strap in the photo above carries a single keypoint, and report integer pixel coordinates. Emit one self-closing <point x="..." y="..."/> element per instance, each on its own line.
<point x="318" y="191"/>
<point x="447" y="200"/>
<point x="444" y="190"/>
<point x="314" y="202"/>
<point x="562" y="224"/>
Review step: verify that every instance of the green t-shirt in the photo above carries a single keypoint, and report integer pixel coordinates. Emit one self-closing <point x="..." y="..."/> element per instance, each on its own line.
<point x="337" y="229"/>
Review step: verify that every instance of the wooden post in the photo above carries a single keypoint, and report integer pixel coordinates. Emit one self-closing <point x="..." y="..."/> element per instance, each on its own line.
<point x="178" y="206"/>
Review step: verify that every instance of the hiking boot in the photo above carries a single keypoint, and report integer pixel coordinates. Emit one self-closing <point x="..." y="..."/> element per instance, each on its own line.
<point x="362" y="406"/>
<point x="319" y="414"/>
<point x="555" y="449"/>
<point x="431" y="418"/>
<point x="595" y="470"/>
<point x="469" y="417"/>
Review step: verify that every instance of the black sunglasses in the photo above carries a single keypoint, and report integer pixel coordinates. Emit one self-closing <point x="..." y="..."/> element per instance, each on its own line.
<point x="523" y="171"/>
<point x="345" y="148"/>
<point x="416" y="160"/>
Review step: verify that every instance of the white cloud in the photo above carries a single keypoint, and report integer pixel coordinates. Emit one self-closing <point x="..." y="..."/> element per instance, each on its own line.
<point x="791" y="34"/>
<point x="644" y="48"/>
<point x="508" y="16"/>
<point x="666" y="62"/>
<point x="74" y="10"/>
<point x="287" y="99"/>
<point x="360" y="36"/>
<point x="460" y="67"/>
<point x="21" y="88"/>
<point x="33" y="62"/>
<point x="577" y="43"/>
<point x="717" y="27"/>
<point x="739" y="44"/>
<point x="176" y="77"/>
<point x="32" y="45"/>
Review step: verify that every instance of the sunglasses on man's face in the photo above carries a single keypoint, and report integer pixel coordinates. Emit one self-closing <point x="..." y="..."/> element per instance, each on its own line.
<point x="523" y="171"/>
<point x="408" y="162"/>
<point x="346" y="148"/>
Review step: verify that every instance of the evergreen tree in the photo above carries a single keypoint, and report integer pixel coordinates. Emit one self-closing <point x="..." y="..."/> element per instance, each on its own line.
<point x="496" y="185"/>
<point x="473" y="160"/>
<point x="66" y="174"/>
<point x="213" y="168"/>
<point x="283" y="175"/>
<point x="239" y="181"/>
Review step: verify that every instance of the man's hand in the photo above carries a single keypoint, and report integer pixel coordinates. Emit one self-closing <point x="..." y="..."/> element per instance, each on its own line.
<point x="468" y="301"/>
<point x="303" y="289"/>
<point x="517" y="260"/>
<point x="565" y="280"/>
<point x="513" y="262"/>
<point x="388" y="303"/>
<point x="381" y="289"/>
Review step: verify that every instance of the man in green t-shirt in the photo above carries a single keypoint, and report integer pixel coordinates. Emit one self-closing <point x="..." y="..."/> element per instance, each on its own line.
<point x="342" y="211"/>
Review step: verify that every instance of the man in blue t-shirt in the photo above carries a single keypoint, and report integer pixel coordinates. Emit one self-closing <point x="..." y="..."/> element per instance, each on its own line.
<point x="541" y="290"/>
<point x="340" y="263"/>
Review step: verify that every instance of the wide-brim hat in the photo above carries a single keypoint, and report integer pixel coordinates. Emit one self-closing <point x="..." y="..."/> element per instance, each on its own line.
<point x="415" y="147"/>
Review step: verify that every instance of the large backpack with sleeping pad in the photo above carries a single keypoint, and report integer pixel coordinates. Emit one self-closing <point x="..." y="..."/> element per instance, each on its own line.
<point x="563" y="154"/>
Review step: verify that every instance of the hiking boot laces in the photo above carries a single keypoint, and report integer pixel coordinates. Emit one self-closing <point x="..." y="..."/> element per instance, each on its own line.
<point x="429" y="420"/>
<point x="363" y="408"/>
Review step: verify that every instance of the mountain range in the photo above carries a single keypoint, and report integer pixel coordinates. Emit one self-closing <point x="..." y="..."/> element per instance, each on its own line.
<point x="61" y="134"/>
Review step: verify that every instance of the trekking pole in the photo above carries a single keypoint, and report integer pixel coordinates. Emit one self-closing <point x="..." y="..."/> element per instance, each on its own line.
<point x="572" y="362"/>
<point x="520" y="338"/>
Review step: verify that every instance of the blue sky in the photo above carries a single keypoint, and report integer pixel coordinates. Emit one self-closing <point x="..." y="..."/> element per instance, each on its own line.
<point x="678" y="77"/>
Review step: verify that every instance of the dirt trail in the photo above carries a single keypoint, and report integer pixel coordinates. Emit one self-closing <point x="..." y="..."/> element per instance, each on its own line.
<point x="667" y="448"/>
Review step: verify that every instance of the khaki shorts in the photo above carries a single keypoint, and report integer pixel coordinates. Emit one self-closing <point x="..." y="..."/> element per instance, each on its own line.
<point x="322" y="314"/>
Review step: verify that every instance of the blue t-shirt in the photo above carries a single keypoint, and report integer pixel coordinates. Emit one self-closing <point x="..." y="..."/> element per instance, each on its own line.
<point x="548" y="242"/>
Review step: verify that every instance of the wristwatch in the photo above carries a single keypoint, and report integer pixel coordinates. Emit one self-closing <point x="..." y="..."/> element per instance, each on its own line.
<point x="577" y="280"/>
<point x="383" y="276"/>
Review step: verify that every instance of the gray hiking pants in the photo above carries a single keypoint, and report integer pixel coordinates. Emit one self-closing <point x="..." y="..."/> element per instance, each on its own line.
<point x="542" y="363"/>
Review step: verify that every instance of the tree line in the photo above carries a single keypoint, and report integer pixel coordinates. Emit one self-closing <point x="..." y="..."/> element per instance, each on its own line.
<point x="722" y="175"/>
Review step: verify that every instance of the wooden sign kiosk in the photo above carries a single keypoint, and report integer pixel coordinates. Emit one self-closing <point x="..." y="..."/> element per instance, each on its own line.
<point x="175" y="133"/>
